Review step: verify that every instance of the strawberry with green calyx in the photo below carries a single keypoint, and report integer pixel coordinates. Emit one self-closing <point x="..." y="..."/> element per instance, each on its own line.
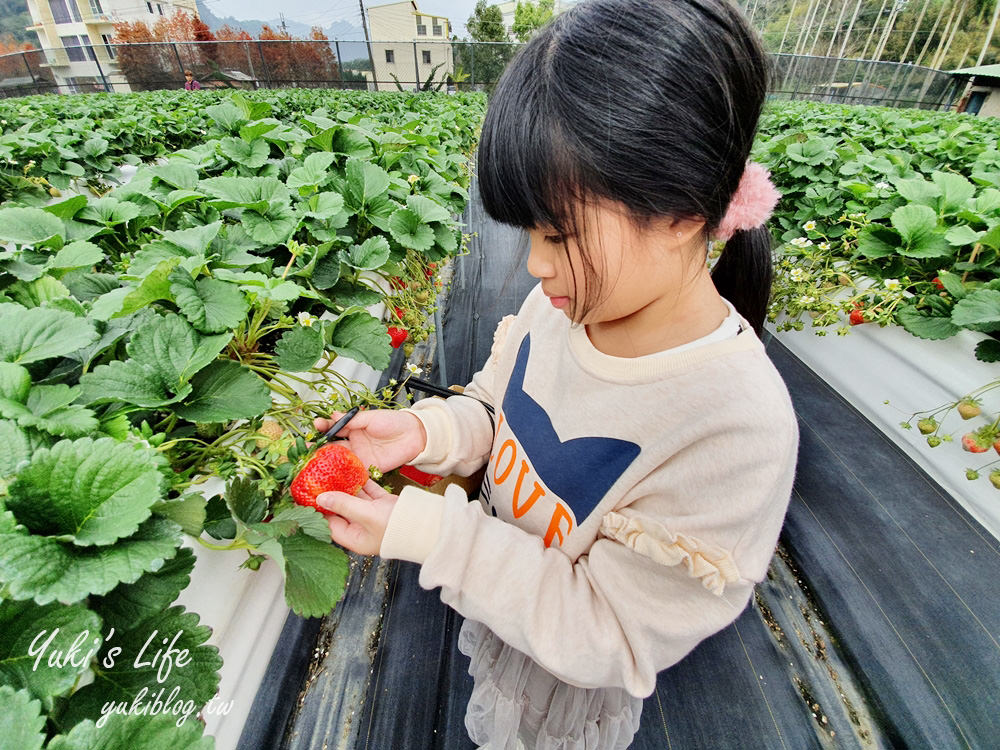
<point x="397" y="336"/>
<point x="927" y="426"/>
<point x="933" y="441"/>
<point x="936" y="281"/>
<point x="969" y="408"/>
<point x="979" y="441"/>
<point x="333" y="468"/>
<point x="269" y="432"/>
<point x="995" y="478"/>
<point x="971" y="475"/>
<point x="857" y="316"/>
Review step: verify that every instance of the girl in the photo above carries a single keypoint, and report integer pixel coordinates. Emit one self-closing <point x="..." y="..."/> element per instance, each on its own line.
<point x="639" y="446"/>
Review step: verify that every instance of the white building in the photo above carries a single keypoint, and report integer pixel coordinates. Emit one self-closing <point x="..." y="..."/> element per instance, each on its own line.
<point x="408" y="44"/>
<point x="76" y="36"/>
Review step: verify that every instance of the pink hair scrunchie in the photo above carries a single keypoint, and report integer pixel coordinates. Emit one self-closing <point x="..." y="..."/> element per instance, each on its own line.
<point x="751" y="204"/>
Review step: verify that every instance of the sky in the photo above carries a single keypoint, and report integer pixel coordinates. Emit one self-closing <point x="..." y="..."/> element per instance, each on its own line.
<point x="323" y="13"/>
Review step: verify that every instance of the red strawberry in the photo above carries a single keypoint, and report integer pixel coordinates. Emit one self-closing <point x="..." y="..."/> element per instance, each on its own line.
<point x="397" y="283"/>
<point x="856" y="317"/>
<point x="996" y="445"/>
<point x="937" y="282"/>
<point x="397" y="336"/>
<point x="973" y="443"/>
<point x="400" y="312"/>
<point x="332" y="468"/>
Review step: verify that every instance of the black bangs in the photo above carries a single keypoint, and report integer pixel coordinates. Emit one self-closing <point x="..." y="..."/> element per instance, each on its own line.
<point x="525" y="169"/>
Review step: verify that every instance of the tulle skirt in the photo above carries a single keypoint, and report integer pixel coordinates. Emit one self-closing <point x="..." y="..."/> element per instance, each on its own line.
<point x="516" y="699"/>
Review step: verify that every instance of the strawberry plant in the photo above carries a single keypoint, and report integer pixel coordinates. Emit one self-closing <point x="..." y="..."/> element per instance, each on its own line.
<point x="186" y="327"/>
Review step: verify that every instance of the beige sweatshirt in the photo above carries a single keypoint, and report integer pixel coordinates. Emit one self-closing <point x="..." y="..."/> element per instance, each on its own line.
<point x="629" y="504"/>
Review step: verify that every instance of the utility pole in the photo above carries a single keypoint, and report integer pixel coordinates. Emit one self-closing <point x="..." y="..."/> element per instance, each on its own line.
<point x="368" y="39"/>
<point x="284" y="28"/>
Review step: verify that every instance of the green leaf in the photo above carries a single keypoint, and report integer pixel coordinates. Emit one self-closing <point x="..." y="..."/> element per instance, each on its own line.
<point x="125" y="732"/>
<point x="327" y="271"/>
<point x="109" y="211"/>
<point x="956" y="191"/>
<point x="446" y="238"/>
<point x="155" y="286"/>
<point x="923" y="325"/>
<point x="178" y="174"/>
<point x="28" y="226"/>
<point x="409" y="230"/>
<point x="962" y="234"/>
<point x="50" y="408"/>
<point x="15" y="382"/>
<point x="180" y="243"/>
<point x="952" y="284"/>
<point x="46" y="569"/>
<point x="219" y="522"/>
<point x="211" y="305"/>
<point x="918" y="227"/>
<point x="365" y="181"/>
<point x="223" y="391"/>
<point x="299" y="348"/>
<point x="227" y="116"/>
<point x="188" y="512"/>
<point x="31" y="335"/>
<point x="371" y="254"/>
<point x="274" y="229"/>
<point x="361" y="337"/>
<point x="313" y="170"/>
<point x="133" y="669"/>
<point x="325" y="205"/>
<point x="256" y="193"/>
<point x="245" y="500"/>
<point x="988" y="350"/>
<point x="78" y="254"/>
<point x="15" y="448"/>
<point x="979" y="311"/>
<point x="252" y="155"/>
<point x="428" y="210"/>
<point x="21" y="722"/>
<point x="918" y="191"/>
<point x="92" y="492"/>
<point x="129" y="604"/>
<point x="315" y="574"/>
<point x="68" y="208"/>
<point x="291" y="519"/>
<point x="29" y="633"/>
<point x="346" y="294"/>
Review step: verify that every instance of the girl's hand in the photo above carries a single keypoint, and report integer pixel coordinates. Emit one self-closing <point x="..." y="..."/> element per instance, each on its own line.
<point x="358" y="521"/>
<point x="386" y="438"/>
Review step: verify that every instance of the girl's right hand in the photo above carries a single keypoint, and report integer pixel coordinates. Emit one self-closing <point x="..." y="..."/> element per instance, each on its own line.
<point x="385" y="438"/>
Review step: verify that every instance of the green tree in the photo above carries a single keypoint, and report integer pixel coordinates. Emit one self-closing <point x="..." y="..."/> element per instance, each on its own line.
<point x="529" y="17"/>
<point x="490" y="49"/>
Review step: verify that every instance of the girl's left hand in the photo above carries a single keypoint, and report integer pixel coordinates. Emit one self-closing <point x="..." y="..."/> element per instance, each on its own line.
<point x="358" y="521"/>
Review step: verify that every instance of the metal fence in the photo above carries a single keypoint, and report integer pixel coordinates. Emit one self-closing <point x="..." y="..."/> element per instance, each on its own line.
<point x="407" y="65"/>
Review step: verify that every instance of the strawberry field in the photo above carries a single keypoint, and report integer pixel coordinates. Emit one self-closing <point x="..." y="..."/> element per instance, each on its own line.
<point x="892" y="217"/>
<point x="182" y="277"/>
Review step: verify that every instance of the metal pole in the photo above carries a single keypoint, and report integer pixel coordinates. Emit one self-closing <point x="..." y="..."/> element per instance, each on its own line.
<point x="416" y="69"/>
<point x="263" y="63"/>
<point x="472" y="68"/>
<point x="253" y="73"/>
<point x="340" y="64"/>
<point x="100" y="70"/>
<point x="27" y="64"/>
<point x="178" y="56"/>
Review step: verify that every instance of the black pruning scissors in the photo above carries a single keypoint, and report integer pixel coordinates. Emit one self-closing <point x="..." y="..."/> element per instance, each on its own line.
<point x="338" y="425"/>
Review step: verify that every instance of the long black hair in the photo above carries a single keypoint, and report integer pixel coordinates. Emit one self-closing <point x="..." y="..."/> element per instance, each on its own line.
<point x="652" y="104"/>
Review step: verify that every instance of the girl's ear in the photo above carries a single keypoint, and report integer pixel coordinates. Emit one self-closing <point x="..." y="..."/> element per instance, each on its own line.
<point x="684" y="230"/>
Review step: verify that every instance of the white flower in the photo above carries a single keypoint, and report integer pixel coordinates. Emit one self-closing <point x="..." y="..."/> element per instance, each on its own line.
<point x="892" y="284"/>
<point x="800" y="242"/>
<point x="799" y="275"/>
<point x="305" y="319"/>
<point x="412" y="178"/>
<point x="858" y="215"/>
<point x="809" y="226"/>
<point x="883" y="185"/>
<point x="393" y="381"/>
<point x="414" y="370"/>
<point x="823" y="246"/>
<point x="806" y="300"/>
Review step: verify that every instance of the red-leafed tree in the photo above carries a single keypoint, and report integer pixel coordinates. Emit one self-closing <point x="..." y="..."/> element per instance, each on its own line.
<point x="147" y="66"/>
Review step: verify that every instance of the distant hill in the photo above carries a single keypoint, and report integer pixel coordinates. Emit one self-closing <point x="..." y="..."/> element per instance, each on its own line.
<point x="342" y="30"/>
<point x="14" y="17"/>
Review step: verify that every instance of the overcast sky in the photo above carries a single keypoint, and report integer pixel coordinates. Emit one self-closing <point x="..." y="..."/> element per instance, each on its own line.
<point x="324" y="12"/>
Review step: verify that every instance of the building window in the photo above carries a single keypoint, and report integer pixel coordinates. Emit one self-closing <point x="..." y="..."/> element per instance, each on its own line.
<point x="390" y="56"/>
<point x="427" y="56"/>
<point x="108" y="46"/>
<point x="159" y="8"/>
<point x="437" y="30"/>
<point x="60" y="12"/>
<point x="149" y="6"/>
<point x="73" y="49"/>
<point x="95" y="8"/>
<point x="421" y="29"/>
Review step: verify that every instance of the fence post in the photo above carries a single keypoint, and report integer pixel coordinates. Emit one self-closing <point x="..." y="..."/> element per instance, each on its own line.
<point x="472" y="69"/>
<point x="100" y="70"/>
<point x="253" y="73"/>
<point x="340" y="63"/>
<point x="416" y="69"/>
<point x="177" y="54"/>
<point x="263" y="64"/>
<point x="850" y="85"/>
<point x="34" y="81"/>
